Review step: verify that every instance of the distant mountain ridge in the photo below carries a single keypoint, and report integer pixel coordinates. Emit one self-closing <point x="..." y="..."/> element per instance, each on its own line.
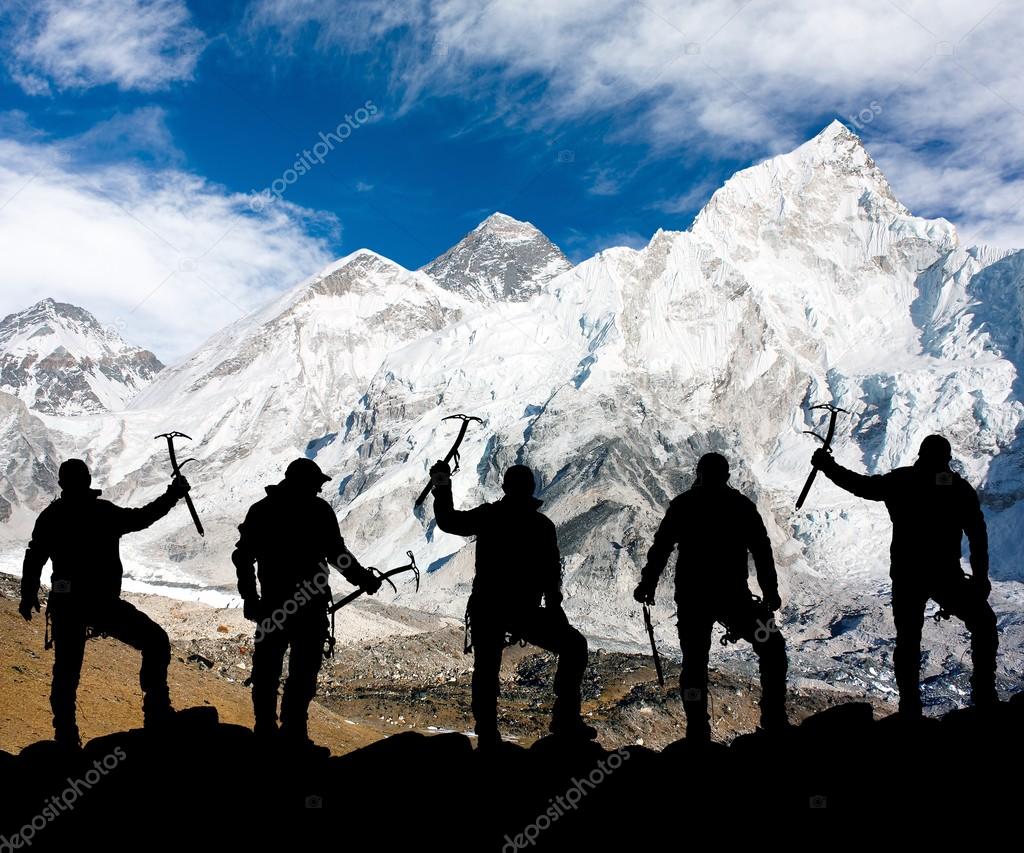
<point x="59" y="360"/>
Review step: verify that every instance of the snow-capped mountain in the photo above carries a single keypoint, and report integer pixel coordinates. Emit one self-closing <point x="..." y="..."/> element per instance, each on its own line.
<point x="59" y="360"/>
<point x="501" y="259"/>
<point x="803" y="279"/>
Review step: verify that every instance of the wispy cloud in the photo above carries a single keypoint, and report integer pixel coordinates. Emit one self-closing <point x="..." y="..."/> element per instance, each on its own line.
<point x="688" y="202"/>
<point x="737" y="79"/>
<point x="77" y="44"/>
<point x="579" y="245"/>
<point x="161" y="250"/>
<point x="604" y="182"/>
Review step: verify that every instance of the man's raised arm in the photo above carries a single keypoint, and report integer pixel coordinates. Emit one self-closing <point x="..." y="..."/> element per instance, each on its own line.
<point x="871" y="487"/>
<point x="450" y="519"/>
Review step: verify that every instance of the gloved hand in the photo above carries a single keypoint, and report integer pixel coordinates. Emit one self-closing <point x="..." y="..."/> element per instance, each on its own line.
<point x="179" y="487"/>
<point x="440" y="474"/>
<point x="252" y="609"/>
<point x="553" y="599"/>
<point x="773" y="601"/>
<point x="822" y="458"/>
<point x="369" y="582"/>
<point x="644" y="593"/>
<point x="982" y="584"/>
<point x="28" y="604"/>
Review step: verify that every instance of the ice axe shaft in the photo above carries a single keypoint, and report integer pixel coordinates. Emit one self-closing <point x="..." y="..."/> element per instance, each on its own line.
<point x="176" y="472"/>
<point x="654" y="646"/>
<point x="826" y="443"/>
<point x="452" y="454"/>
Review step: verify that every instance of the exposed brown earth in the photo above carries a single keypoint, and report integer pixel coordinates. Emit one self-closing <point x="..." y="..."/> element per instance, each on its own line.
<point x="369" y="690"/>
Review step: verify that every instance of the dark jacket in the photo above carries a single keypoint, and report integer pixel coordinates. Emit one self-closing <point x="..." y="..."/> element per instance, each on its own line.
<point x="930" y="511"/>
<point x="284" y="539"/>
<point x="517" y="559"/>
<point x="715" y="527"/>
<point x="80" y="533"/>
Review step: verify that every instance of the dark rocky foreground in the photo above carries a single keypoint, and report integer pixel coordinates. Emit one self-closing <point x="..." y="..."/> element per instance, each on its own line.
<point x="204" y="778"/>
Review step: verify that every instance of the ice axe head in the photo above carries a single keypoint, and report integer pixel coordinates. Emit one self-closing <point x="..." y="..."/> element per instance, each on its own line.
<point x="415" y="568"/>
<point x="176" y="466"/>
<point x="833" y="411"/>
<point x="463" y="418"/>
<point x="170" y="436"/>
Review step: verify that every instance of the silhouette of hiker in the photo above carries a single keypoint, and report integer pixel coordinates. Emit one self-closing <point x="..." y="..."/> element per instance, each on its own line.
<point x="80" y="533"/>
<point x="517" y="565"/>
<point x="715" y="527"/>
<point x="931" y="508"/>
<point x="288" y="538"/>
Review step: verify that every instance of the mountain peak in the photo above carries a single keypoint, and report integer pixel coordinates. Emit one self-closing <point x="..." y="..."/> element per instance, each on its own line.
<point x="60" y="360"/>
<point x="836" y="130"/>
<point x="502" y="259"/>
<point x="499" y="221"/>
<point x="827" y="177"/>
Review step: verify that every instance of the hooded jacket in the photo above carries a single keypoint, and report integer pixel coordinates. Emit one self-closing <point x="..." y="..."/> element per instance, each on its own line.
<point x="715" y="527"/>
<point x="931" y="509"/>
<point x="79" y="532"/>
<point x="517" y="558"/>
<point x="283" y="541"/>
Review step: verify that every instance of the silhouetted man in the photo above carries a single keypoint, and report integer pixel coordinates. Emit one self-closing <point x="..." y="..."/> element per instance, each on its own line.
<point x="715" y="527"/>
<point x="931" y="508"/>
<point x="289" y="538"/>
<point x="517" y="566"/>
<point x="80" y="533"/>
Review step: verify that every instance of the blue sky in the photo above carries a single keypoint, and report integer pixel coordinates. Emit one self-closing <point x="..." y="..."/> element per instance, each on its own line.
<point x="134" y="134"/>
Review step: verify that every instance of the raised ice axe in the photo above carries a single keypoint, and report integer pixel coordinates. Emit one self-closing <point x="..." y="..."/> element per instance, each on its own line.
<point x="826" y="444"/>
<point x="176" y="472"/>
<point x="453" y="453"/>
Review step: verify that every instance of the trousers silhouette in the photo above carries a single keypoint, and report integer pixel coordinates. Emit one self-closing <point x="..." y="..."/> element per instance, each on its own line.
<point x="751" y="621"/>
<point x="959" y="597"/>
<point x="546" y="628"/>
<point x="123" y="622"/>
<point x="304" y="633"/>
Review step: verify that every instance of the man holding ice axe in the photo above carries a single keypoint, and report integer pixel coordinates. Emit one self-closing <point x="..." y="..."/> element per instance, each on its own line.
<point x="517" y="566"/>
<point x="931" y="508"/>
<point x="715" y="527"/>
<point x="79" y="533"/>
<point x="289" y="540"/>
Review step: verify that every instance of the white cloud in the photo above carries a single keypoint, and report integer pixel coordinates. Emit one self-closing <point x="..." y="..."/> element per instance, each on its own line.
<point x="76" y="44"/>
<point x="141" y="133"/>
<point x="604" y="182"/>
<point x="741" y="79"/>
<point x="171" y="256"/>
<point x="693" y="199"/>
